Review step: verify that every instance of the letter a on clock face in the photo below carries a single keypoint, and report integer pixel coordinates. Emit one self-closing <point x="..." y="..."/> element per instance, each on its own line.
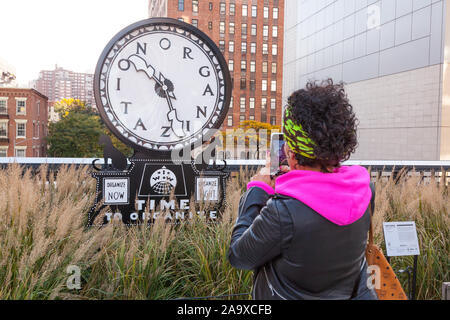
<point x="162" y="84"/>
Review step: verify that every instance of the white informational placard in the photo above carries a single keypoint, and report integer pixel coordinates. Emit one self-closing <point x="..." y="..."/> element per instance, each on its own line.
<point x="116" y="190"/>
<point x="207" y="189"/>
<point x="401" y="238"/>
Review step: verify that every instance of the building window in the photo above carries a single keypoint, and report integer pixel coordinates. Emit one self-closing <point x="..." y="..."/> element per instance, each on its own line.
<point x="265" y="31"/>
<point x="244" y="10"/>
<point x="266" y="13"/>
<point x="252" y="66"/>
<point x="241" y="118"/>
<point x="243" y="65"/>
<point x="275" y="31"/>
<point x="254" y="11"/>
<point x="243" y="83"/>
<point x="275" y="13"/>
<point x="244" y="47"/>
<point x="4" y="129"/>
<point x="252" y="117"/>
<point x="244" y="29"/>
<point x="222" y="28"/>
<point x="232" y="9"/>
<point x="264" y="85"/>
<point x="210" y="25"/>
<point x="252" y="103"/>
<point x="231" y="103"/>
<point x="20" y="152"/>
<point x="21" y="130"/>
<point x="273" y="104"/>
<point x="252" y="85"/>
<point x="230" y="121"/>
<point x="274" y="49"/>
<point x="222" y="45"/>
<point x="231" y="65"/>
<point x="242" y="104"/>
<point x="265" y="48"/>
<point x="231" y="46"/>
<point x="195" y="6"/>
<point x="231" y="27"/>
<point x="21" y="106"/>
<point x="274" y="67"/>
<point x="210" y="6"/>
<point x="263" y="103"/>
<point x="195" y="23"/>
<point x="273" y="120"/>
<point x="253" y="30"/>
<point x="3" y="105"/>
<point x="273" y="85"/>
<point x="223" y="8"/>
<point x="180" y="5"/>
<point x="264" y="67"/>
<point x="3" y="151"/>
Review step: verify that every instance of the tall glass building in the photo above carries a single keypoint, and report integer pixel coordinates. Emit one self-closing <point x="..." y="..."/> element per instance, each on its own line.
<point x="393" y="56"/>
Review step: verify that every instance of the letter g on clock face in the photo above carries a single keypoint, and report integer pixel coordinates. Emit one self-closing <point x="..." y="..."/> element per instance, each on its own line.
<point x="162" y="84"/>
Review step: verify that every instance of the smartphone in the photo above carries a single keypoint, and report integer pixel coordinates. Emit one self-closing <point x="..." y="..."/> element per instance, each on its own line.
<point x="277" y="155"/>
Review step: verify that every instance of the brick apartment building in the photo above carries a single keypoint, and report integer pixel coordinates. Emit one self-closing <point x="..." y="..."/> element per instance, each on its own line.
<point x="250" y="35"/>
<point x="23" y="123"/>
<point x="60" y="84"/>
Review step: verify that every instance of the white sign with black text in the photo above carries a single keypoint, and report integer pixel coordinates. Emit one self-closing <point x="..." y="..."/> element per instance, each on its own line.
<point x="207" y="189"/>
<point x="116" y="191"/>
<point x="401" y="238"/>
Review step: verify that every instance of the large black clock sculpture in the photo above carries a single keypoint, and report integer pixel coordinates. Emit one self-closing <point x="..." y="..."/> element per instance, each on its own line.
<point x="161" y="86"/>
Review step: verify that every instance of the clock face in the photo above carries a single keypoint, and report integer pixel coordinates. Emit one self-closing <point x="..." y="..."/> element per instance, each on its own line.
<point x="162" y="84"/>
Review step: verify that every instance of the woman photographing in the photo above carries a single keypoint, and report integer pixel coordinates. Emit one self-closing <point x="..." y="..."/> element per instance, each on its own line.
<point x="304" y="233"/>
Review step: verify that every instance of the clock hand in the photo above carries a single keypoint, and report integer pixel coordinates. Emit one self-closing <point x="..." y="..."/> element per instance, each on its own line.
<point x="141" y="65"/>
<point x="176" y="124"/>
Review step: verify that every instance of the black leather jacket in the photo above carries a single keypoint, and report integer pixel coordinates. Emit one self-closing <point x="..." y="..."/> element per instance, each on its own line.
<point x="296" y="253"/>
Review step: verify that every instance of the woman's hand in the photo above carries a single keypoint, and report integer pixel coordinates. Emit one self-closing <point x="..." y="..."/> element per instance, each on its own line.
<point x="264" y="176"/>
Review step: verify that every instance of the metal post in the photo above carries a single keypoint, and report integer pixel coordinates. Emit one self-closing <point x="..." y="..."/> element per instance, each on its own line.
<point x="414" y="278"/>
<point x="443" y="177"/>
<point x="446" y="291"/>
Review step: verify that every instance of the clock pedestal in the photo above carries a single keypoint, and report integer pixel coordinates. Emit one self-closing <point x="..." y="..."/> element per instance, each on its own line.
<point x="153" y="187"/>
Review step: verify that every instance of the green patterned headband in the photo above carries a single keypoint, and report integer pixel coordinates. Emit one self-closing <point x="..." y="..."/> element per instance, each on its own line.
<point x="296" y="138"/>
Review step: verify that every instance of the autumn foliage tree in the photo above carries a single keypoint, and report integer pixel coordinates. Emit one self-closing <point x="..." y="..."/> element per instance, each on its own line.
<point x="250" y="133"/>
<point x="257" y="128"/>
<point x="77" y="132"/>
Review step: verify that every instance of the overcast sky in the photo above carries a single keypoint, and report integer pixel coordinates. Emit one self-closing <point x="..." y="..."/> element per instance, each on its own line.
<point x="36" y="35"/>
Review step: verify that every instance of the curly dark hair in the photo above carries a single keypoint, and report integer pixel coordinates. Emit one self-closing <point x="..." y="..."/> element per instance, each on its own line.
<point x="326" y="114"/>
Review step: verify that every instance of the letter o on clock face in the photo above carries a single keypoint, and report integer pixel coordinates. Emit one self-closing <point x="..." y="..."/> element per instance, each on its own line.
<point x="162" y="84"/>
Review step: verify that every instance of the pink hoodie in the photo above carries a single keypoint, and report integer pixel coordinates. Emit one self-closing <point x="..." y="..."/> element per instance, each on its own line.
<point x="341" y="197"/>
